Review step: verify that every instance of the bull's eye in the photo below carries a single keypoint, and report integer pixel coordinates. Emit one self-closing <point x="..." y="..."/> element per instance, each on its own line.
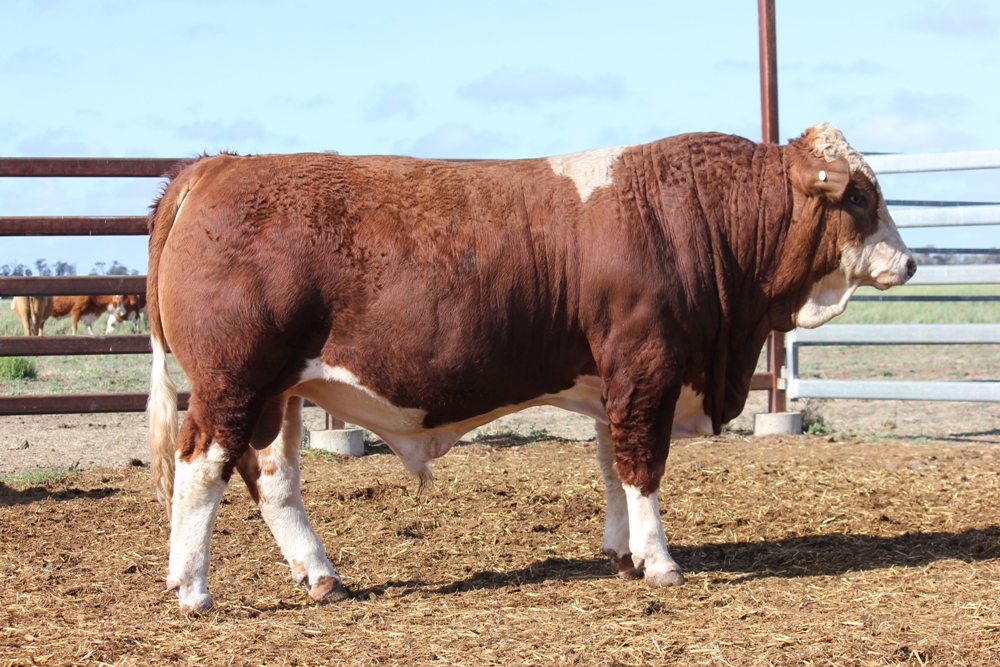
<point x="858" y="200"/>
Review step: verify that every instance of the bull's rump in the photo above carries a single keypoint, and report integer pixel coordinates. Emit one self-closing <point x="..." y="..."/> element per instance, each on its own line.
<point x="452" y="288"/>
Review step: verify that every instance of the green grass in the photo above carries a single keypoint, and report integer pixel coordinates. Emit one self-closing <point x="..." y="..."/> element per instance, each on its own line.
<point x="925" y="312"/>
<point x="97" y="374"/>
<point x="36" y="478"/>
<point x="130" y="373"/>
<point x="17" y="368"/>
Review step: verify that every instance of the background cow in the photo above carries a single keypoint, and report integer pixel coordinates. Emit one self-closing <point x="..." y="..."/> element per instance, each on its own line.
<point x="423" y="298"/>
<point x="132" y="308"/>
<point x="33" y="311"/>
<point x="88" y="308"/>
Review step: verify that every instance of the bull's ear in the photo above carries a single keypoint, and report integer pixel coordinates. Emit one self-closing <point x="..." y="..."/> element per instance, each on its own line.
<point x="816" y="177"/>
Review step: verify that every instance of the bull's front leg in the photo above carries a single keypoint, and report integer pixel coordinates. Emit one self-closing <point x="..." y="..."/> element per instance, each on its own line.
<point x="641" y="410"/>
<point x="273" y="478"/>
<point x="616" y="522"/>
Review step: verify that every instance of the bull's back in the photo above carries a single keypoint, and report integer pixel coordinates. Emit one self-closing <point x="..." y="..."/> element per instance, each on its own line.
<point x="422" y="278"/>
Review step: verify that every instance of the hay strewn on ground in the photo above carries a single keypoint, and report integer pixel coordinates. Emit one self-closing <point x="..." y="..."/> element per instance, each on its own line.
<point x="798" y="551"/>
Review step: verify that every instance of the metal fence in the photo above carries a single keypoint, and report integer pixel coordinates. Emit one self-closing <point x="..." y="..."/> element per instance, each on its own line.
<point x="924" y="215"/>
<point x="51" y="286"/>
<point x="920" y="214"/>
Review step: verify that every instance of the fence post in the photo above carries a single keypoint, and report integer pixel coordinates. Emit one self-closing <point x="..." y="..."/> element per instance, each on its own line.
<point x="769" y="135"/>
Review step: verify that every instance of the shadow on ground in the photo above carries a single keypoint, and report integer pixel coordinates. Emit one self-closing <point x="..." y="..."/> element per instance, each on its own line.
<point x="806" y="556"/>
<point x="33" y="494"/>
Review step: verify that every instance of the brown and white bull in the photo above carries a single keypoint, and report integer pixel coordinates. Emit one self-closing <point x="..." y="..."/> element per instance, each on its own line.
<point x="422" y="298"/>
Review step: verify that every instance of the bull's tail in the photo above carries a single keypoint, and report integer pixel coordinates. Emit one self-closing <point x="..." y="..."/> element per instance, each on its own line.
<point x="162" y="410"/>
<point x="162" y="405"/>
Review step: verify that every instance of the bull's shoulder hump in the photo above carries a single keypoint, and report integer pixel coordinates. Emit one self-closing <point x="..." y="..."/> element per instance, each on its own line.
<point x="589" y="170"/>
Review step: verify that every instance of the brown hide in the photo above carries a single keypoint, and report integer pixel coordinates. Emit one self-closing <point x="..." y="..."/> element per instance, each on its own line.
<point x="33" y="312"/>
<point x="76" y="307"/>
<point x="458" y="288"/>
<point x="133" y="304"/>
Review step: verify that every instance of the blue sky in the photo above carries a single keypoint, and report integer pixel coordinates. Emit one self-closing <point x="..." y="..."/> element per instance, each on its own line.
<point x="461" y="79"/>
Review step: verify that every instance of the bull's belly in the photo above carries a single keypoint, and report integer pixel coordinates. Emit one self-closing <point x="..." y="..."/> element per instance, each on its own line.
<point x="342" y="394"/>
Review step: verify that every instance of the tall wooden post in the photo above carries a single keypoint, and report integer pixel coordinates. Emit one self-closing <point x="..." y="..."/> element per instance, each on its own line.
<point x="769" y="134"/>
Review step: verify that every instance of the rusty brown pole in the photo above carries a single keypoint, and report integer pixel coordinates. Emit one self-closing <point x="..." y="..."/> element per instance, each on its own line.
<point x="769" y="135"/>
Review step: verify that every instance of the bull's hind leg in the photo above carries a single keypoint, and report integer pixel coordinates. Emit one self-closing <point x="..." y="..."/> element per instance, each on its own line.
<point x="272" y="476"/>
<point x="616" y="516"/>
<point x="199" y="481"/>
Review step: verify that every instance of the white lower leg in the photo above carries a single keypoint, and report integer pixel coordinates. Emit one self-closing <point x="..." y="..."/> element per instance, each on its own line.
<point x="281" y="506"/>
<point x="616" y="530"/>
<point x="646" y="539"/>
<point x="198" y="488"/>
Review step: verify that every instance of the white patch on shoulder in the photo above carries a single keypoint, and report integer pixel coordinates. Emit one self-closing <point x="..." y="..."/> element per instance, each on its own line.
<point x="589" y="169"/>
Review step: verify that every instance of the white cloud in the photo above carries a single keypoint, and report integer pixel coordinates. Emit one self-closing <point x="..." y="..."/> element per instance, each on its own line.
<point x="454" y="141"/>
<point x="537" y="85"/>
<point x="34" y="60"/>
<point x="958" y="19"/>
<point x="899" y="133"/>
<point x="929" y="105"/>
<point x="60" y="143"/>
<point x="399" y="100"/>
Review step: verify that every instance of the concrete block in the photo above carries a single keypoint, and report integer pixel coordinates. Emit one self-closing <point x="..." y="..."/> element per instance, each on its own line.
<point x="347" y="441"/>
<point x="777" y="423"/>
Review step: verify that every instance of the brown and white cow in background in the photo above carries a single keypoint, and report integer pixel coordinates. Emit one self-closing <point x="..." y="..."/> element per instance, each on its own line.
<point x="422" y="298"/>
<point x="87" y="308"/>
<point x="33" y="311"/>
<point x="131" y="308"/>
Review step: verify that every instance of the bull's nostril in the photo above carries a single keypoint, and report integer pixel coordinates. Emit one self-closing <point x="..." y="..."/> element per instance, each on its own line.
<point x="911" y="268"/>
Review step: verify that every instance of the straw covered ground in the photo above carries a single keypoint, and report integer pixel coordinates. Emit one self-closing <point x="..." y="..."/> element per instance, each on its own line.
<point x="804" y="550"/>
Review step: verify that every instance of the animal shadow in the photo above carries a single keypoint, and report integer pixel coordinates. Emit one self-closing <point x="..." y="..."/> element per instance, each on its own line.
<point x="10" y="496"/>
<point x="835" y="554"/>
<point x="805" y="556"/>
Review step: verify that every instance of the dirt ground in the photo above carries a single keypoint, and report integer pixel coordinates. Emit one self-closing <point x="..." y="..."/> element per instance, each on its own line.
<point x="876" y="543"/>
<point x="832" y="550"/>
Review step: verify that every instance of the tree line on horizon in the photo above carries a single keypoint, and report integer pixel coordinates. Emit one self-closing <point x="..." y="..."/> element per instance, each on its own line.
<point x="60" y="268"/>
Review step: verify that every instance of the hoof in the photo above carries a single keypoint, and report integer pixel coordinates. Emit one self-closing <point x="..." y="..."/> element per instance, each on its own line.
<point x="625" y="568"/>
<point x="663" y="579"/>
<point x="196" y="604"/>
<point x="328" y="589"/>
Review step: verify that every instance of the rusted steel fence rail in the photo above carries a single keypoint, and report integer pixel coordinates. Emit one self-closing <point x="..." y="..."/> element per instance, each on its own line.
<point x="53" y="286"/>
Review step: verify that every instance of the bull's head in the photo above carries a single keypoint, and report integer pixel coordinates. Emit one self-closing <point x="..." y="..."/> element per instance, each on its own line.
<point x="834" y="186"/>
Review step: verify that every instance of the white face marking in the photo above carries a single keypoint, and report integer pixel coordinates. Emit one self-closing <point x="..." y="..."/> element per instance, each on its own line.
<point x="589" y="169"/>
<point x="881" y="261"/>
